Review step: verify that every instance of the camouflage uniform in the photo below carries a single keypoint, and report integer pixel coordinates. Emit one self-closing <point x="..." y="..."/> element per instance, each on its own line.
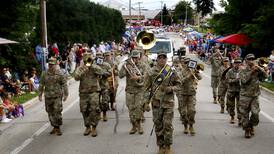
<point x="216" y="62"/>
<point x="113" y="88"/>
<point x="222" y="88"/>
<point x="89" y="93"/>
<point x="54" y="85"/>
<point x="134" y="91"/>
<point x="162" y="104"/>
<point x="233" y="92"/>
<point x="249" y="95"/>
<point x="187" y="97"/>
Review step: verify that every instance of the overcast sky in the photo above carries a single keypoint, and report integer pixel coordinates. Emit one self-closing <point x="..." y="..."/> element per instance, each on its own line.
<point x="156" y="4"/>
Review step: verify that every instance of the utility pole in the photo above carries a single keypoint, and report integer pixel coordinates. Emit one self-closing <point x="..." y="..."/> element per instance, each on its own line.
<point x="162" y="12"/>
<point x="129" y="12"/>
<point x="44" y="44"/>
<point x="139" y="16"/>
<point x="186" y="17"/>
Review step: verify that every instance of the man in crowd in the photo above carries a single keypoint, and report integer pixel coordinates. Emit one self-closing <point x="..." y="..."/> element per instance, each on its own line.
<point x="215" y="61"/>
<point x="134" y="73"/>
<point x="222" y="88"/>
<point x="160" y="84"/>
<point x="233" y="90"/>
<point x="187" y="91"/>
<point x="104" y="93"/>
<point x="249" y="94"/>
<point x="112" y="80"/>
<point x="54" y="85"/>
<point x="88" y="75"/>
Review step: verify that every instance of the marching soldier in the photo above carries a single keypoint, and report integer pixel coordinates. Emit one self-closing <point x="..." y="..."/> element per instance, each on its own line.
<point x="134" y="71"/>
<point x="216" y="62"/>
<point x="104" y="98"/>
<point x="89" y="89"/>
<point x="54" y="85"/>
<point x="112" y="80"/>
<point x="187" y="99"/>
<point x="145" y="61"/>
<point x="249" y="94"/>
<point x="222" y="88"/>
<point x="161" y="82"/>
<point x="233" y="90"/>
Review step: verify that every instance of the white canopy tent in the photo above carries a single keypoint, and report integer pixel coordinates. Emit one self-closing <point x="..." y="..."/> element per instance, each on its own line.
<point x="6" y="41"/>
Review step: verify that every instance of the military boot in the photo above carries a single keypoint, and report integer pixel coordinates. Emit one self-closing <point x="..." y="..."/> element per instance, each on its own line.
<point x="222" y="110"/>
<point x="58" y="131"/>
<point x="87" y="131"/>
<point x="232" y="120"/>
<point x="53" y="131"/>
<point x="239" y="122"/>
<point x="161" y="150"/>
<point x="215" y="100"/>
<point x="112" y="106"/>
<point x="133" y="129"/>
<point x="139" y="128"/>
<point x="186" y="129"/>
<point x="93" y="131"/>
<point x="105" y="116"/>
<point x="247" y="133"/>
<point x="191" y="130"/>
<point x="168" y="150"/>
<point x="252" y="131"/>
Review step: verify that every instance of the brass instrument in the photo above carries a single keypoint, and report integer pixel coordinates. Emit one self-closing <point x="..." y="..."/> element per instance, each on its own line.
<point x="200" y="67"/>
<point x="146" y="39"/>
<point x="263" y="62"/>
<point x="133" y="70"/>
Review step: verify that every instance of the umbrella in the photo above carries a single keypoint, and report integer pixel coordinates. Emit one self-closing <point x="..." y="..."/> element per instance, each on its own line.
<point x="236" y="39"/>
<point x="214" y="40"/>
<point x="188" y="29"/>
<point x="6" y="41"/>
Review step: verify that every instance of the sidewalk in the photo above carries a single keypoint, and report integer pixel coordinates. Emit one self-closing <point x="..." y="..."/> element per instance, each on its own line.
<point x="27" y="105"/>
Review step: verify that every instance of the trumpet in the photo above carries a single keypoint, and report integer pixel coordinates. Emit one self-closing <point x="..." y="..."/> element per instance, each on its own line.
<point x="263" y="62"/>
<point x="88" y="62"/>
<point x="200" y="67"/>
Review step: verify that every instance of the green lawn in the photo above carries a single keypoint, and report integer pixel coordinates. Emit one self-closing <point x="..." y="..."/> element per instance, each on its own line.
<point x="24" y="97"/>
<point x="268" y="85"/>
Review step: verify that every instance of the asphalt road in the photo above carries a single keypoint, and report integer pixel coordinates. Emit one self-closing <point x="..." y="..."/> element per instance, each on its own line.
<point x="214" y="134"/>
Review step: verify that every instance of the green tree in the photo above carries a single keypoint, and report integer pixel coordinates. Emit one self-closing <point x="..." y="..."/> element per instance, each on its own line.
<point x="204" y="6"/>
<point x="19" y="22"/>
<point x="180" y="12"/>
<point x="256" y="22"/>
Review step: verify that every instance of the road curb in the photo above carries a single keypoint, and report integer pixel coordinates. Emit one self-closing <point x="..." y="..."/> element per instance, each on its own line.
<point x="267" y="90"/>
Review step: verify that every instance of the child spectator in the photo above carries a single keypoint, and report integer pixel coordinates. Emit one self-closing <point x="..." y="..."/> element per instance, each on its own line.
<point x="14" y="110"/>
<point x="34" y="81"/>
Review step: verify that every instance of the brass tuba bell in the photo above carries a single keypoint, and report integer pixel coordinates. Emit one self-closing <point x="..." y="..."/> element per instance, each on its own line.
<point x="146" y="39"/>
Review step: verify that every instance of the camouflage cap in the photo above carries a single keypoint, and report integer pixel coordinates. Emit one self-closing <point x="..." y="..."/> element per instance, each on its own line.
<point x="107" y="53"/>
<point x="86" y="56"/>
<point x="250" y="56"/>
<point x="186" y="59"/>
<point x="52" y="61"/>
<point x="99" y="54"/>
<point x="238" y="60"/>
<point x="176" y="59"/>
<point x="225" y="59"/>
<point x="161" y="52"/>
<point x="135" y="54"/>
<point x="138" y="48"/>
